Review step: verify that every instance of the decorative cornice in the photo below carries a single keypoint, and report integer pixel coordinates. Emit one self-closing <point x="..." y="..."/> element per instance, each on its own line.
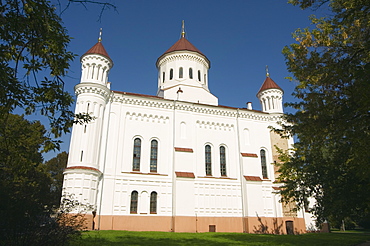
<point x="179" y="55"/>
<point x="215" y="126"/>
<point x="157" y="102"/>
<point x="83" y="168"/>
<point x="92" y="88"/>
<point x="213" y="177"/>
<point x="157" y="174"/>
<point x="147" y="117"/>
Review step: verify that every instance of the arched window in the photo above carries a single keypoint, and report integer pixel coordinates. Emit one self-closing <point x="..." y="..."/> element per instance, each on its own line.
<point x="171" y="74"/>
<point x="133" y="206"/>
<point x="153" y="156"/>
<point x="153" y="202"/>
<point x="199" y="78"/>
<point x="208" y="160"/>
<point x="181" y="72"/>
<point x="136" y="157"/>
<point x="263" y="164"/>
<point x="190" y="73"/>
<point x="163" y="76"/>
<point x="223" y="161"/>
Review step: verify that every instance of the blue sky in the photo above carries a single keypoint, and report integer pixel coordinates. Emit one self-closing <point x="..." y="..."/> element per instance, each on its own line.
<point x="239" y="37"/>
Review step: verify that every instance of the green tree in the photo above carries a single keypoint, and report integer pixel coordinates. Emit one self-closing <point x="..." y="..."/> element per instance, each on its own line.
<point x="55" y="168"/>
<point x="24" y="182"/>
<point x="33" y="41"/>
<point x="331" y="161"/>
<point x="33" y="60"/>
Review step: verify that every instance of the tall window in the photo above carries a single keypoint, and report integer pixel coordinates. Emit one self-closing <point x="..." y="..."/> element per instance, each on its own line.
<point x="171" y="74"/>
<point x="181" y="72"/>
<point x="190" y="73"/>
<point x="199" y="75"/>
<point x="163" y="76"/>
<point x="136" y="158"/>
<point x="223" y="161"/>
<point x="263" y="163"/>
<point x="153" y="156"/>
<point x="208" y="160"/>
<point x="133" y="206"/>
<point x="153" y="202"/>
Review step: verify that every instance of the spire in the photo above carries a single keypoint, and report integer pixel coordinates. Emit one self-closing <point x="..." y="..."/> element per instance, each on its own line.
<point x="267" y="71"/>
<point x="100" y="34"/>
<point x="98" y="48"/>
<point x="183" y="29"/>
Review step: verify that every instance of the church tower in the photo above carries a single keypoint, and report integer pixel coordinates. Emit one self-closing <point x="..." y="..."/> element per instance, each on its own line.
<point x="183" y="73"/>
<point x="84" y="169"/>
<point x="271" y="96"/>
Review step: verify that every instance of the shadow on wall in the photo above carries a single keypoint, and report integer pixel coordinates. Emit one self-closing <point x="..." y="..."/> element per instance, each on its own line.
<point x="276" y="229"/>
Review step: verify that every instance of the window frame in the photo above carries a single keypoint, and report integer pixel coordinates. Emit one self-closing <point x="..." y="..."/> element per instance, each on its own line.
<point x="171" y="73"/>
<point x="136" y="155"/>
<point x="134" y="202"/>
<point x="208" y="159"/>
<point x="263" y="164"/>
<point x="181" y="72"/>
<point x="190" y="73"/>
<point x="153" y="202"/>
<point x="223" y="161"/>
<point x="153" y="161"/>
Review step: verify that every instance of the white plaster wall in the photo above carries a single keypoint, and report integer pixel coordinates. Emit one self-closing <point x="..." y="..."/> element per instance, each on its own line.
<point x="81" y="185"/>
<point x="185" y="199"/>
<point x="202" y="196"/>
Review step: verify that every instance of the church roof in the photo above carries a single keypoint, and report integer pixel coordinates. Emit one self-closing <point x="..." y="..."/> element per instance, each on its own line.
<point x="183" y="44"/>
<point x="99" y="49"/>
<point x="269" y="84"/>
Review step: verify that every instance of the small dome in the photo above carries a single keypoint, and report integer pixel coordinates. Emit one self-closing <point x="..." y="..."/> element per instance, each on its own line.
<point x="99" y="49"/>
<point x="181" y="45"/>
<point x="269" y="84"/>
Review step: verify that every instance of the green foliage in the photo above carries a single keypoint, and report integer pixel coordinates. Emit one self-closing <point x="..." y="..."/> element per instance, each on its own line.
<point x="211" y="238"/>
<point x="332" y="123"/>
<point x="33" y="42"/>
<point x="55" y="167"/>
<point x="24" y="184"/>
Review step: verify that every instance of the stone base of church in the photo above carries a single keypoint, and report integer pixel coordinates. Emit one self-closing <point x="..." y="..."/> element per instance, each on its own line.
<point x="265" y="225"/>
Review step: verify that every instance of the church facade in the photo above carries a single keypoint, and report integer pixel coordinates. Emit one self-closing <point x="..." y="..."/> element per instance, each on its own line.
<point x="176" y="161"/>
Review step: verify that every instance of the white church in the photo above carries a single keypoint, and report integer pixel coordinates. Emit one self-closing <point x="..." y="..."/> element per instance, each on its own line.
<point x="176" y="161"/>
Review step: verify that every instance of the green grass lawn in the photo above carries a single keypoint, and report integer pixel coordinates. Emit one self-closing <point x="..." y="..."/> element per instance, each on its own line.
<point x="215" y="238"/>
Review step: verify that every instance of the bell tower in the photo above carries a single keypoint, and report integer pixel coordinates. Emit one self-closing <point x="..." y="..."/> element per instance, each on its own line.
<point x="83" y="171"/>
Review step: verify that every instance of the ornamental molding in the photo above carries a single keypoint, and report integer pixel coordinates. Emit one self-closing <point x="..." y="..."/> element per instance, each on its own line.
<point x="182" y="57"/>
<point x="147" y="117"/>
<point x="92" y="88"/>
<point x="94" y="58"/>
<point x="214" y="125"/>
<point x="269" y="92"/>
<point x="144" y="101"/>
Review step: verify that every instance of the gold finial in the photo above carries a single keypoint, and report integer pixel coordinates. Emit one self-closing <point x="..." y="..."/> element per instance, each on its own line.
<point x="267" y="71"/>
<point x="100" y="33"/>
<point x="183" y="29"/>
